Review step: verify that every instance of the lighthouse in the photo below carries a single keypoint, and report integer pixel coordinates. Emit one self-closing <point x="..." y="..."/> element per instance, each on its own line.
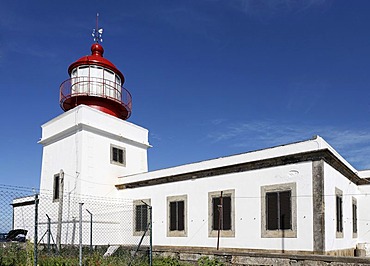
<point x="91" y="144"/>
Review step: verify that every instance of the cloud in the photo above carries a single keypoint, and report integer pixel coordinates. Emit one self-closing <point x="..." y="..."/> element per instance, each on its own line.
<point x="305" y="95"/>
<point x="268" y="9"/>
<point x="352" y="144"/>
<point x="30" y="50"/>
<point x="155" y="136"/>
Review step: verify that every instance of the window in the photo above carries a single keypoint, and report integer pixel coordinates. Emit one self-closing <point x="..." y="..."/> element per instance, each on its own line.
<point x="141" y="216"/>
<point x="141" y="212"/>
<point x="279" y="211"/>
<point x="56" y="187"/>
<point x="177" y="221"/>
<point x="177" y="215"/>
<point x="339" y="212"/>
<point x="118" y="155"/>
<point x="354" y="217"/>
<point x="221" y="208"/>
<point x="221" y="213"/>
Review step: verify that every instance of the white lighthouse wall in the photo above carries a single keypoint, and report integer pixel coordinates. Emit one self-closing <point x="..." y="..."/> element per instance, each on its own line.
<point x="335" y="182"/>
<point x="79" y="143"/>
<point x="248" y="209"/>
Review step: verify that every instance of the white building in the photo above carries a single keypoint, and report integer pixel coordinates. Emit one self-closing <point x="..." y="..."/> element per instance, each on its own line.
<point x="301" y="198"/>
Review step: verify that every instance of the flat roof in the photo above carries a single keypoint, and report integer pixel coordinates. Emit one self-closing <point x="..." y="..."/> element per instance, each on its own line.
<point x="306" y="149"/>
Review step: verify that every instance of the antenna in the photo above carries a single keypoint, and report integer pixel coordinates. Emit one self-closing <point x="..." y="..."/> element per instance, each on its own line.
<point x="97" y="33"/>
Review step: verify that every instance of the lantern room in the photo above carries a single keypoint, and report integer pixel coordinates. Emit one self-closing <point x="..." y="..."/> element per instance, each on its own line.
<point x="96" y="82"/>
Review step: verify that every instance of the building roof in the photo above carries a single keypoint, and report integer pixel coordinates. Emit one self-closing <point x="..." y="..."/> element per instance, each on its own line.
<point x="96" y="58"/>
<point x="313" y="149"/>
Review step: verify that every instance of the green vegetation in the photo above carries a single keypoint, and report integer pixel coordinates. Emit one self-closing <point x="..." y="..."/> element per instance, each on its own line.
<point x="21" y="254"/>
<point x="206" y="261"/>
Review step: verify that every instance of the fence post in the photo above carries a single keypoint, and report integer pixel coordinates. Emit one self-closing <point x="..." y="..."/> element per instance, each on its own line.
<point x="151" y="237"/>
<point x="49" y="231"/>
<point x="91" y="231"/>
<point x="81" y="233"/>
<point x="60" y="210"/>
<point x="35" y="251"/>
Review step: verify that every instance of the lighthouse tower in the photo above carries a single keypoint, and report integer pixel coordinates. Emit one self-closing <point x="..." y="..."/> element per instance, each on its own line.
<point x="91" y="144"/>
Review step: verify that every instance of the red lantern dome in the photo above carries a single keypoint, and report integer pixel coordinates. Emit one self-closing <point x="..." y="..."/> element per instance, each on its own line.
<point x="96" y="82"/>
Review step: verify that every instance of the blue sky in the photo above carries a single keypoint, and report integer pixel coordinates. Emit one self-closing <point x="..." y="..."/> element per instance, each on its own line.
<point x="209" y="78"/>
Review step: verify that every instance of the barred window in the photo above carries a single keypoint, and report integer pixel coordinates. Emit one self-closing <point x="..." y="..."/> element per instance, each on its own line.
<point x="141" y="217"/>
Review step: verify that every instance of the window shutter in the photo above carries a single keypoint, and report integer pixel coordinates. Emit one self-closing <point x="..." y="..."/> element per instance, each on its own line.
<point x="172" y="216"/>
<point x="216" y="213"/>
<point x="181" y="215"/>
<point x="272" y="211"/>
<point x="285" y="210"/>
<point x="226" y="210"/>
<point x="115" y="154"/>
<point x="120" y="156"/>
<point x="339" y="214"/>
<point x="354" y="217"/>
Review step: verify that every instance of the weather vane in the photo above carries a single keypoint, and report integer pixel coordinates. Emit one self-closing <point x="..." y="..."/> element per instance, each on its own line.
<point x="97" y="33"/>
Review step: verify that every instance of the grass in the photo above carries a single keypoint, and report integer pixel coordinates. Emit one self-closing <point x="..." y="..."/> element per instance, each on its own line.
<point x="21" y="254"/>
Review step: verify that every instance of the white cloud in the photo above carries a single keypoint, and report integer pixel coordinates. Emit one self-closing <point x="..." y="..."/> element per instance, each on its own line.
<point x="352" y="144"/>
<point x="267" y="9"/>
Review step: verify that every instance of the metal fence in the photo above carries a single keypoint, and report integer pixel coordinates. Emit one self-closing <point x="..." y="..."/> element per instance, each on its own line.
<point x="75" y="228"/>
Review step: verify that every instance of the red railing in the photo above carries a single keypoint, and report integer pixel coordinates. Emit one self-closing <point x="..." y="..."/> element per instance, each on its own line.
<point x="97" y="87"/>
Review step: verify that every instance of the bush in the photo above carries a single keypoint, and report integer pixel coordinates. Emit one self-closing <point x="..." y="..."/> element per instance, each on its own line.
<point x="20" y="254"/>
<point x="207" y="261"/>
<point x="168" y="261"/>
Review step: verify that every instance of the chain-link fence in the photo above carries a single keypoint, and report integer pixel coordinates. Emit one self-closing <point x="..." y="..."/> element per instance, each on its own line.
<point x="72" y="228"/>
